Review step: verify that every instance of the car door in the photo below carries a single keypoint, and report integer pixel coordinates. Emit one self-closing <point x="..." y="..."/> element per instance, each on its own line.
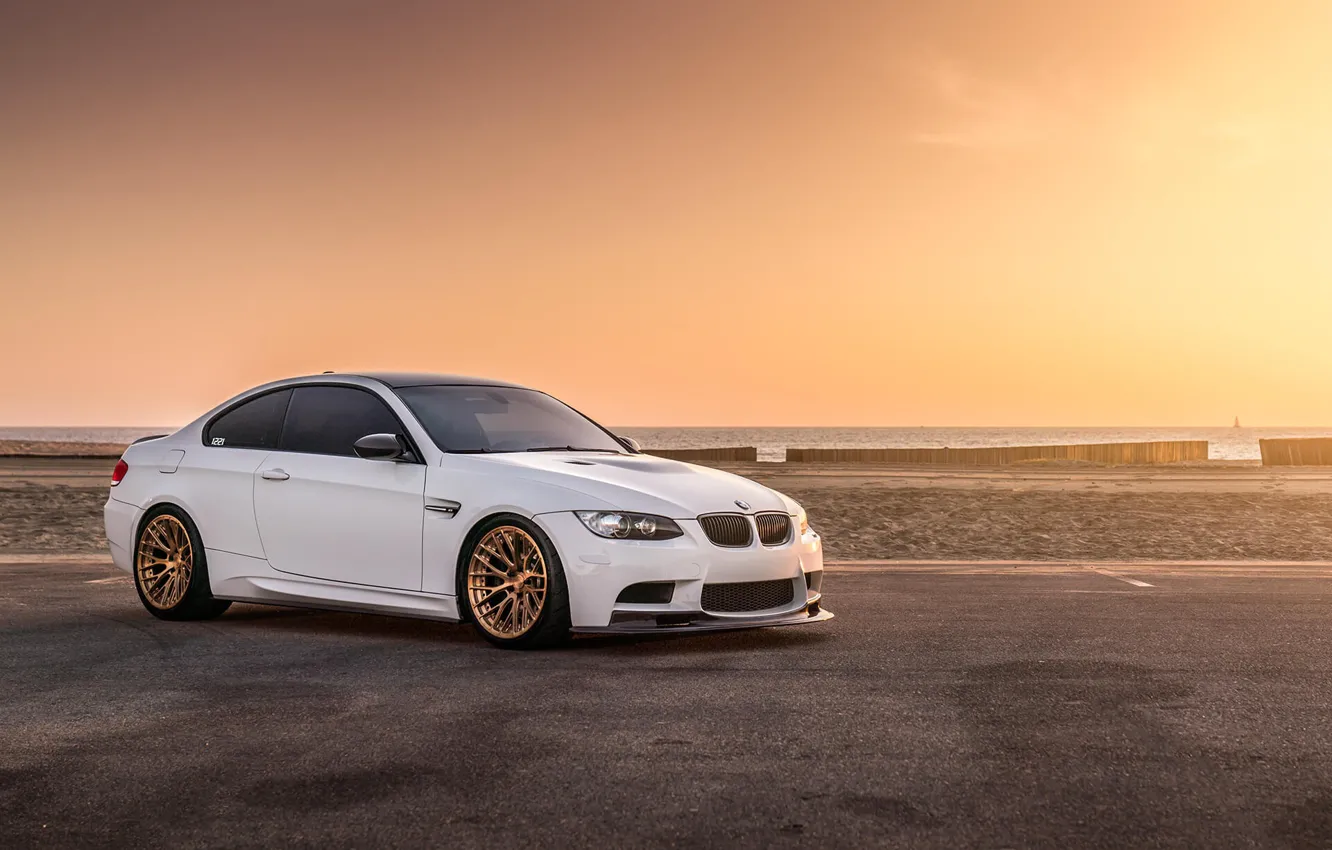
<point x="325" y="513"/>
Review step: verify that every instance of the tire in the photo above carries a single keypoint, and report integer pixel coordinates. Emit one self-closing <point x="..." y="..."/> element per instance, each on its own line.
<point x="171" y="569"/>
<point x="506" y="563"/>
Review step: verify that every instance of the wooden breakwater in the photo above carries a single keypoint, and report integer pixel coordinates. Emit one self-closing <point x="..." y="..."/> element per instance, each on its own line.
<point x="737" y="454"/>
<point x="1309" y="451"/>
<point x="1171" y="451"/>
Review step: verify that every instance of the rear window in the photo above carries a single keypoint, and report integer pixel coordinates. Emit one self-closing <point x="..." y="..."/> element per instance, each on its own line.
<point x="254" y="424"/>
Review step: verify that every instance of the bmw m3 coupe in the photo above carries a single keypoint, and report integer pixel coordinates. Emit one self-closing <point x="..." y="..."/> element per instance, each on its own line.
<point x="456" y="499"/>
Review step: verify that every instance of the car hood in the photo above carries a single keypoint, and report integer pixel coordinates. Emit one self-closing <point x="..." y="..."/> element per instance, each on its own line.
<point x="642" y="483"/>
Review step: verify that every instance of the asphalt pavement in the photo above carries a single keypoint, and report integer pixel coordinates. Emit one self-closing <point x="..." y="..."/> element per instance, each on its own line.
<point x="953" y="707"/>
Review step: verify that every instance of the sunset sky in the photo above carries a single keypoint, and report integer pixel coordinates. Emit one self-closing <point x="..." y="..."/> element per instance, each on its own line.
<point x="675" y="213"/>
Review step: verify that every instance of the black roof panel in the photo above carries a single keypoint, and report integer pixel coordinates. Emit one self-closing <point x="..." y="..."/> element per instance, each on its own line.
<point x="398" y="380"/>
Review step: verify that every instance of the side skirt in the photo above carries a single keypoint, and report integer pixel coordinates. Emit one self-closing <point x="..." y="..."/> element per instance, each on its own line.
<point x="244" y="579"/>
<point x="413" y="613"/>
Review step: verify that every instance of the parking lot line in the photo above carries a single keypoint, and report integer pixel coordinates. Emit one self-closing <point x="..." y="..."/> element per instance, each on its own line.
<point x="1132" y="581"/>
<point x="1238" y="563"/>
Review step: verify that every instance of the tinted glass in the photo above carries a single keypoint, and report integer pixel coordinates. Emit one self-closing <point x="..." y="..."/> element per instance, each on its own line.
<point x="329" y="420"/>
<point x="502" y="419"/>
<point x="255" y="424"/>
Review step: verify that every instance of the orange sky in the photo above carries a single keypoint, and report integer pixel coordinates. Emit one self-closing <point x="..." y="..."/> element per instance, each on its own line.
<point x="724" y="213"/>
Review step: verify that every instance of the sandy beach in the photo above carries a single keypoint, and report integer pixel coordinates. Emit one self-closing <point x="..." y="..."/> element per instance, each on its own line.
<point x="1196" y="512"/>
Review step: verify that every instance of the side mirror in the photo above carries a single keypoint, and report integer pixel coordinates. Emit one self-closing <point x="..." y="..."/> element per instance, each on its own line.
<point x="631" y="444"/>
<point x="381" y="447"/>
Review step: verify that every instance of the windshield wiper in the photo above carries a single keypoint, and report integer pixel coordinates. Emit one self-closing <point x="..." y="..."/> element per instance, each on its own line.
<point x="569" y="449"/>
<point x="469" y="451"/>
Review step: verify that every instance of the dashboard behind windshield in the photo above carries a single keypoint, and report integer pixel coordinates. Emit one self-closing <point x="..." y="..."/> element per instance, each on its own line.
<point x="472" y="419"/>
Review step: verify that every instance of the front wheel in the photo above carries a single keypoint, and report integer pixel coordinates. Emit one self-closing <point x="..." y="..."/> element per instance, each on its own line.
<point x="170" y="570"/>
<point x="515" y="593"/>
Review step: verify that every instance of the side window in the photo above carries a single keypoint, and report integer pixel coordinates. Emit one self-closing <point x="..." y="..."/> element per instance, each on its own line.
<point x="329" y="420"/>
<point x="254" y="424"/>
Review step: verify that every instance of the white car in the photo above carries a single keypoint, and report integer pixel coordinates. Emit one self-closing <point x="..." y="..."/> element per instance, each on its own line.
<point x="454" y="499"/>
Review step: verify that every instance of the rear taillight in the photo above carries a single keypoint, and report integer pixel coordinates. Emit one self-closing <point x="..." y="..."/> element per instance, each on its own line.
<point x="119" y="472"/>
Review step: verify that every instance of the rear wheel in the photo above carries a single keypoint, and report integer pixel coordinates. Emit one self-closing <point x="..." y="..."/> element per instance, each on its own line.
<point x="514" y="585"/>
<point x="170" y="569"/>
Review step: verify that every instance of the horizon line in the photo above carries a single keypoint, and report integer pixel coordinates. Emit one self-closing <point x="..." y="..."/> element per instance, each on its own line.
<point x="779" y="426"/>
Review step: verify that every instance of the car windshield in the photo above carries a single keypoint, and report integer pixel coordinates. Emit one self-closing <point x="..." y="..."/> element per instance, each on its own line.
<point x="503" y="419"/>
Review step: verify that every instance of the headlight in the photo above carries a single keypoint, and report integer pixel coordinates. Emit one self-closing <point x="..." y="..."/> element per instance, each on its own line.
<point x="619" y="525"/>
<point x="802" y="519"/>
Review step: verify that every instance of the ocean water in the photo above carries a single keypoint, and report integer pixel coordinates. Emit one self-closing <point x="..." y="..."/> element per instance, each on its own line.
<point x="82" y="435"/>
<point x="1225" y="443"/>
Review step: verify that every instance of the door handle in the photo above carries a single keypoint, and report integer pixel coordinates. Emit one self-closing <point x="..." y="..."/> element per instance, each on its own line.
<point x="274" y="475"/>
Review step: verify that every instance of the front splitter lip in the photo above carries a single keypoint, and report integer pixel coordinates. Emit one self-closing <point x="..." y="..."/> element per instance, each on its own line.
<point x="649" y="627"/>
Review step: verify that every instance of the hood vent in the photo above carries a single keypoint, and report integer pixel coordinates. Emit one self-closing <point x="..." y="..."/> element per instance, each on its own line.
<point x="644" y="463"/>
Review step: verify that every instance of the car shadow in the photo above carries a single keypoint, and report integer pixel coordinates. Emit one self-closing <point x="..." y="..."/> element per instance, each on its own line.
<point x="309" y="621"/>
<point x="340" y="623"/>
<point x="774" y="638"/>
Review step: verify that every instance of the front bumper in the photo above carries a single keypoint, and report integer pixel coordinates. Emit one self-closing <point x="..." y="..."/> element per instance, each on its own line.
<point x="598" y="570"/>
<point x="704" y="623"/>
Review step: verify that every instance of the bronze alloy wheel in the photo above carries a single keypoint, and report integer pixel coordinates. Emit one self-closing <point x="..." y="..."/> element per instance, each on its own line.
<point x="165" y="561"/>
<point x="507" y="582"/>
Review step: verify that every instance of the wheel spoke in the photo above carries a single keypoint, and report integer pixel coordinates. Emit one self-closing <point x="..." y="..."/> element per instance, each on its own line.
<point x="533" y="561"/>
<point x="167" y="589"/>
<point x="488" y="593"/>
<point x="515" y="614"/>
<point x="502" y="611"/>
<point x="490" y="568"/>
<point x="158" y="539"/>
<point x="534" y="603"/>
<point x="496" y="552"/>
<point x="529" y="609"/>
<point x="495" y="601"/>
